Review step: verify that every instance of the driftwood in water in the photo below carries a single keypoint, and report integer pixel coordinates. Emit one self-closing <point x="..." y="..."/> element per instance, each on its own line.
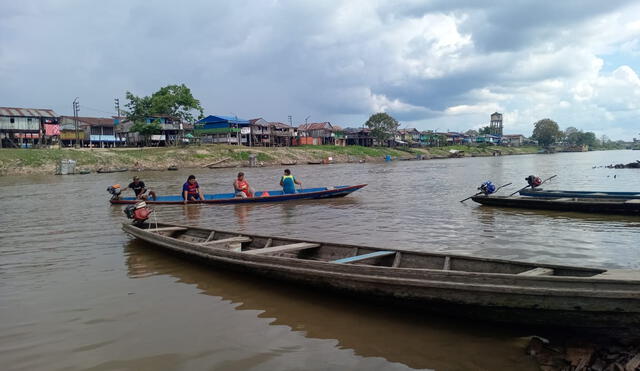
<point x="585" y="354"/>
<point x="216" y="163"/>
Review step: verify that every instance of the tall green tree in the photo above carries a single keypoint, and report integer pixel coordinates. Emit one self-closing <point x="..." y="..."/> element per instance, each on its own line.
<point x="171" y="100"/>
<point x="146" y="130"/>
<point x="484" y="130"/>
<point x="383" y="126"/>
<point x="546" y="132"/>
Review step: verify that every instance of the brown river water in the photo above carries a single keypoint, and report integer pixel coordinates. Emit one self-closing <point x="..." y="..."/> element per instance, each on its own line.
<point x="77" y="293"/>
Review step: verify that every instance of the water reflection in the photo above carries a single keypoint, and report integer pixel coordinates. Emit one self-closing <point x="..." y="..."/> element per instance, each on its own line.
<point x="397" y="335"/>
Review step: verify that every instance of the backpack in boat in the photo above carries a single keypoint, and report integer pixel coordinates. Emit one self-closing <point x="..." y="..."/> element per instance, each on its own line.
<point x="487" y="188"/>
<point x="533" y="181"/>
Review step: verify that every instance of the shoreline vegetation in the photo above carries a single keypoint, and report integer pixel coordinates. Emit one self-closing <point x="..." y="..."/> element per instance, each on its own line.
<point x="45" y="161"/>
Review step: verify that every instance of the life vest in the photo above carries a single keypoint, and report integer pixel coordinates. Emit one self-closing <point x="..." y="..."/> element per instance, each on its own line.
<point x="244" y="187"/>
<point x="192" y="189"/>
<point x="288" y="184"/>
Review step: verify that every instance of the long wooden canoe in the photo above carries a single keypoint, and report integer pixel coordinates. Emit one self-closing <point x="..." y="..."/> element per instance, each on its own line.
<point x="230" y="198"/>
<point x="493" y="289"/>
<point x="588" y="205"/>
<point x="577" y="194"/>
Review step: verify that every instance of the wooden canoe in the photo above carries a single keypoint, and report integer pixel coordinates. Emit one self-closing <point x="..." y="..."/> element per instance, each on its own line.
<point x="577" y="194"/>
<point x="230" y="198"/>
<point x="588" y="205"/>
<point x="105" y="171"/>
<point x="492" y="289"/>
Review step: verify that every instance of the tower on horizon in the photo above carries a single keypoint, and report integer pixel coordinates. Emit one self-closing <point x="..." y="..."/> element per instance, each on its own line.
<point x="495" y="127"/>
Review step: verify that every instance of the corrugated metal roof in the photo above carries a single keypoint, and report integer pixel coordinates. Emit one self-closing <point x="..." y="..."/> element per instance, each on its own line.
<point x="91" y="121"/>
<point x="316" y="126"/>
<point x="27" y="112"/>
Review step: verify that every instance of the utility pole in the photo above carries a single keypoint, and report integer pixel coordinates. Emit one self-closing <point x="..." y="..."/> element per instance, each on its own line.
<point x="290" y="121"/>
<point x="76" y="108"/>
<point x="117" y="122"/>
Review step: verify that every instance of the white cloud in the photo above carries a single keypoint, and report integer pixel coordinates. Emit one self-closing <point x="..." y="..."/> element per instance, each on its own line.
<point x="433" y="64"/>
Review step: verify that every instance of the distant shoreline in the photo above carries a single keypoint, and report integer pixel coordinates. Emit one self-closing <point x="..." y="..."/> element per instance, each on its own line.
<point x="46" y="161"/>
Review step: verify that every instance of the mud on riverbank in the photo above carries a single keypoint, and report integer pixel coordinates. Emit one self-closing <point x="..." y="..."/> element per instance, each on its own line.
<point x="45" y="161"/>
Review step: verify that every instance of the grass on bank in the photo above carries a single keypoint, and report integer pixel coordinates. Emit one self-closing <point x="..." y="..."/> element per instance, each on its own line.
<point x="45" y="160"/>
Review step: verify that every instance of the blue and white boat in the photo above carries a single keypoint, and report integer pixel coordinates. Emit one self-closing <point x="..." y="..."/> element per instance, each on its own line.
<point x="268" y="196"/>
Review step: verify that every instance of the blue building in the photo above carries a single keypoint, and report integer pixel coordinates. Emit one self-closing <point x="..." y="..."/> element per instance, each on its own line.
<point x="223" y="129"/>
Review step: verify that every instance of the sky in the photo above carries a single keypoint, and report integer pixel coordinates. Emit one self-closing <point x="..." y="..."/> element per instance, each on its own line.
<point x="433" y="65"/>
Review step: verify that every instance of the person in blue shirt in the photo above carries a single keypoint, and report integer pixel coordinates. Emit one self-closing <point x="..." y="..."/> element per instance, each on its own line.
<point x="191" y="190"/>
<point x="288" y="182"/>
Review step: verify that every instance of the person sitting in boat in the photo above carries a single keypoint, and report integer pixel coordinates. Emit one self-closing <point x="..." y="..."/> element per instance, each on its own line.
<point x="241" y="187"/>
<point x="191" y="190"/>
<point x="288" y="182"/>
<point x="140" y="189"/>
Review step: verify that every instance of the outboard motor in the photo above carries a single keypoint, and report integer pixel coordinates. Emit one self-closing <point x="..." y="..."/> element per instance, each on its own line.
<point x="487" y="188"/>
<point x="139" y="212"/>
<point x="533" y="181"/>
<point x="114" y="190"/>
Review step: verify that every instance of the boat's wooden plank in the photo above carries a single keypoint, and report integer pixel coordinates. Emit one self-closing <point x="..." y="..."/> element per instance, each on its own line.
<point x="210" y="237"/>
<point x="226" y="241"/>
<point x="268" y="244"/>
<point x="283" y="248"/>
<point x="447" y="263"/>
<point x="537" y="272"/>
<point x="364" y="256"/>
<point x="634" y="201"/>
<point x="166" y="229"/>
<point x="397" y="259"/>
<point x="620" y="274"/>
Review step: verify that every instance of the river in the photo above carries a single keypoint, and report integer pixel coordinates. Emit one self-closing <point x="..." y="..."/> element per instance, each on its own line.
<point x="77" y="293"/>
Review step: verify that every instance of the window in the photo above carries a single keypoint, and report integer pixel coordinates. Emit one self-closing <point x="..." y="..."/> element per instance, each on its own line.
<point x="12" y="120"/>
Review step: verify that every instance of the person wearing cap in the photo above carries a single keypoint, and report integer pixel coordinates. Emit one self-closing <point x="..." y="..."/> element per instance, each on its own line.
<point x="191" y="190"/>
<point x="139" y="188"/>
<point x="288" y="182"/>
<point x="241" y="187"/>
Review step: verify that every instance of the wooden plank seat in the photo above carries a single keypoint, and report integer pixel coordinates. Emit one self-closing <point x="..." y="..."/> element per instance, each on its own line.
<point x="283" y="248"/>
<point x="364" y="256"/>
<point x="226" y="241"/>
<point x="166" y="229"/>
<point x="537" y="272"/>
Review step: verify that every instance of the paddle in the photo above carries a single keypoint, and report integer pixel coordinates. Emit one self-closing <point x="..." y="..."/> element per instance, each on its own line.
<point x="502" y="186"/>
<point x="528" y="185"/>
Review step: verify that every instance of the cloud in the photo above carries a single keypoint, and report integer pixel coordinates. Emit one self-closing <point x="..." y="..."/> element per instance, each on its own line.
<point x="435" y="64"/>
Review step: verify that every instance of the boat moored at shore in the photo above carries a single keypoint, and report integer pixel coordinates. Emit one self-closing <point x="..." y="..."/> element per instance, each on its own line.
<point x="488" y="289"/>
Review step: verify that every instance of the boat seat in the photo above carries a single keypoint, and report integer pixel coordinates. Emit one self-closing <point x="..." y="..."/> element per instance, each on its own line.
<point x="539" y="271"/>
<point x="167" y="229"/>
<point x="634" y="201"/>
<point x="364" y="256"/>
<point x="283" y="248"/>
<point x="225" y="241"/>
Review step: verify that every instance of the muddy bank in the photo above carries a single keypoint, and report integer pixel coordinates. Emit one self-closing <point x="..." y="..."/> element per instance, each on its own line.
<point x="585" y="354"/>
<point x="45" y="161"/>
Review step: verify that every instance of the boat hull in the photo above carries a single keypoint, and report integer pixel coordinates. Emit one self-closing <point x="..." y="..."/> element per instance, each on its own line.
<point x="578" y="194"/>
<point x="587" y="205"/>
<point x="229" y="198"/>
<point x="564" y="299"/>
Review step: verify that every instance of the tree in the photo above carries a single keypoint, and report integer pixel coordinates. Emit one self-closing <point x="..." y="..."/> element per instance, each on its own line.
<point x="472" y="133"/>
<point x="146" y="130"/>
<point x="546" y="132"/>
<point x="383" y="126"/>
<point x="172" y="100"/>
<point x="484" y="130"/>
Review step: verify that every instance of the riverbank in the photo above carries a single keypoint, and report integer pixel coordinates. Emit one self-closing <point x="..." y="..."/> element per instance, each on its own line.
<point x="45" y="161"/>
